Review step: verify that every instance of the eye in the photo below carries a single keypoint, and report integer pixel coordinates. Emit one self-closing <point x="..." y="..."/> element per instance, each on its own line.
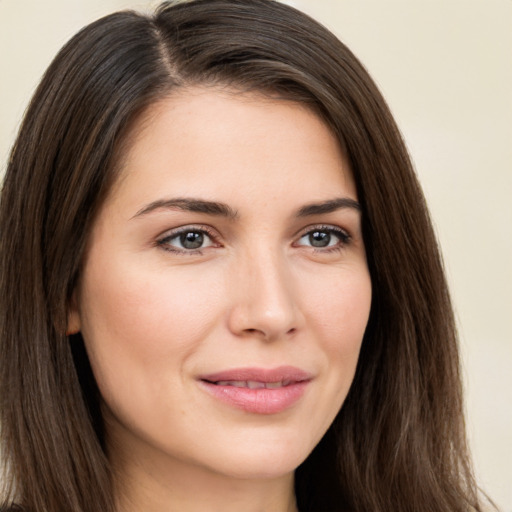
<point x="324" y="237"/>
<point x="187" y="240"/>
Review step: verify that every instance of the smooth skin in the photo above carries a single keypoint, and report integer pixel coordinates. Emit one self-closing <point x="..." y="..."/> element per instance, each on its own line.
<point x="232" y="239"/>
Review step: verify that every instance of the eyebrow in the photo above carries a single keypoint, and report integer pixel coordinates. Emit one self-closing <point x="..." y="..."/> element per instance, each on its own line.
<point x="189" y="205"/>
<point x="223" y="210"/>
<point x="329" y="206"/>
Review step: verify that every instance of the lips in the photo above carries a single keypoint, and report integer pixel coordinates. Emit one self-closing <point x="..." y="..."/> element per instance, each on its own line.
<point x="258" y="390"/>
<point x="253" y="384"/>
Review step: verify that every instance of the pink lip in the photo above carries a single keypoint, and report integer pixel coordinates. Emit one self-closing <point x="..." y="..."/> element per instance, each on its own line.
<point x="261" y="400"/>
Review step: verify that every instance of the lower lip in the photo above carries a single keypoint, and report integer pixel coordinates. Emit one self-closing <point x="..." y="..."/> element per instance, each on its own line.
<point x="258" y="401"/>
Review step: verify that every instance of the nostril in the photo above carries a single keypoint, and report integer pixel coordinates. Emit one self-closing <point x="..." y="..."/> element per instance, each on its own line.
<point x="253" y="331"/>
<point x="264" y="334"/>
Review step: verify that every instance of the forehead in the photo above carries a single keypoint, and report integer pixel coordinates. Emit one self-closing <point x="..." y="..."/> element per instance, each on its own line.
<point x="209" y="140"/>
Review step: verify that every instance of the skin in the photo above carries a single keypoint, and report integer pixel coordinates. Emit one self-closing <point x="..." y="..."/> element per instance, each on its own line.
<point x="156" y="315"/>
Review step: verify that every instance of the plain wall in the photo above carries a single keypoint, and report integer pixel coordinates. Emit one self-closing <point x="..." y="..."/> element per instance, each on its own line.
<point x="445" y="67"/>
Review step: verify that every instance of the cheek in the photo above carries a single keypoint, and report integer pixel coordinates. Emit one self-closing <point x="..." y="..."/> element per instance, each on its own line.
<point x="340" y="315"/>
<point x="137" y="325"/>
<point x="340" y="308"/>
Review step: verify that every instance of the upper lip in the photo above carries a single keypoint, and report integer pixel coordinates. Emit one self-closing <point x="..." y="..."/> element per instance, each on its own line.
<point x="279" y="374"/>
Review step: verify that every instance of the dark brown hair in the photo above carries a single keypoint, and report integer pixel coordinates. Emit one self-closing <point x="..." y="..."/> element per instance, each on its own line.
<point x="398" y="443"/>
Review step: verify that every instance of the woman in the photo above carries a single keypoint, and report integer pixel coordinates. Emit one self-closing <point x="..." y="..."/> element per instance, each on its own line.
<point x="221" y="287"/>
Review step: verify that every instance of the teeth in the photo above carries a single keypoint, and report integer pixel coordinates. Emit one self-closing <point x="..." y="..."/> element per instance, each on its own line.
<point x="234" y="383"/>
<point x="253" y="384"/>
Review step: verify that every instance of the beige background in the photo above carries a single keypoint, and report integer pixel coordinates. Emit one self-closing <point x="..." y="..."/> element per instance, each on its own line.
<point x="445" y="67"/>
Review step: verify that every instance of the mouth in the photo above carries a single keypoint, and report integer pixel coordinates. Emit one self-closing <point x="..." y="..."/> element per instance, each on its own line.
<point x="253" y="384"/>
<point x="258" y="391"/>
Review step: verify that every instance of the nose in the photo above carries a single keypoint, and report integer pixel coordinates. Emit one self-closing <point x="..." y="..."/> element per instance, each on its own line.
<point x="264" y="303"/>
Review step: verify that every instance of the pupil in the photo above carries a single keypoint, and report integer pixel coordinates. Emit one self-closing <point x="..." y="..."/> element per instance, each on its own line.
<point x="319" y="239"/>
<point x="191" y="240"/>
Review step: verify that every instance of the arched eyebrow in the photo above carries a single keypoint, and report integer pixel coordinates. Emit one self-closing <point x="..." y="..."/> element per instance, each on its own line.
<point x="329" y="206"/>
<point x="189" y="205"/>
<point x="224" y="210"/>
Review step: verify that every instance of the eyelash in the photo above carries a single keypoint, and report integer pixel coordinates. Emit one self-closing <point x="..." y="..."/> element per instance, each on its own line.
<point x="342" y="235"/>
<point x="204" y="230"/>
<point x="164" y="242"/>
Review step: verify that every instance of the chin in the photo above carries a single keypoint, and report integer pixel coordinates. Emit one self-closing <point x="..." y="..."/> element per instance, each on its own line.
<point x="263" y="460"/>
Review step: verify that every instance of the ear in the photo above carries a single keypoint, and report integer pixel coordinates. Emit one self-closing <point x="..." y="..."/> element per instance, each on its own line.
<point x="73" y="325"/>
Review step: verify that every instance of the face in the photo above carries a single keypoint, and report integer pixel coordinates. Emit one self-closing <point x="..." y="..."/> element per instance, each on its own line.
<point x="225" y="290"/>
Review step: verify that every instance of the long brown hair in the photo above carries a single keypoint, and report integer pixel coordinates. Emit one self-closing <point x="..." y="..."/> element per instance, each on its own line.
<point x="398" y="443"/>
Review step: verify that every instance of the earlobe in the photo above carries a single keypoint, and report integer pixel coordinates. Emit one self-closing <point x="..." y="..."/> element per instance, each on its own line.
<point x="73" y="325"/>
